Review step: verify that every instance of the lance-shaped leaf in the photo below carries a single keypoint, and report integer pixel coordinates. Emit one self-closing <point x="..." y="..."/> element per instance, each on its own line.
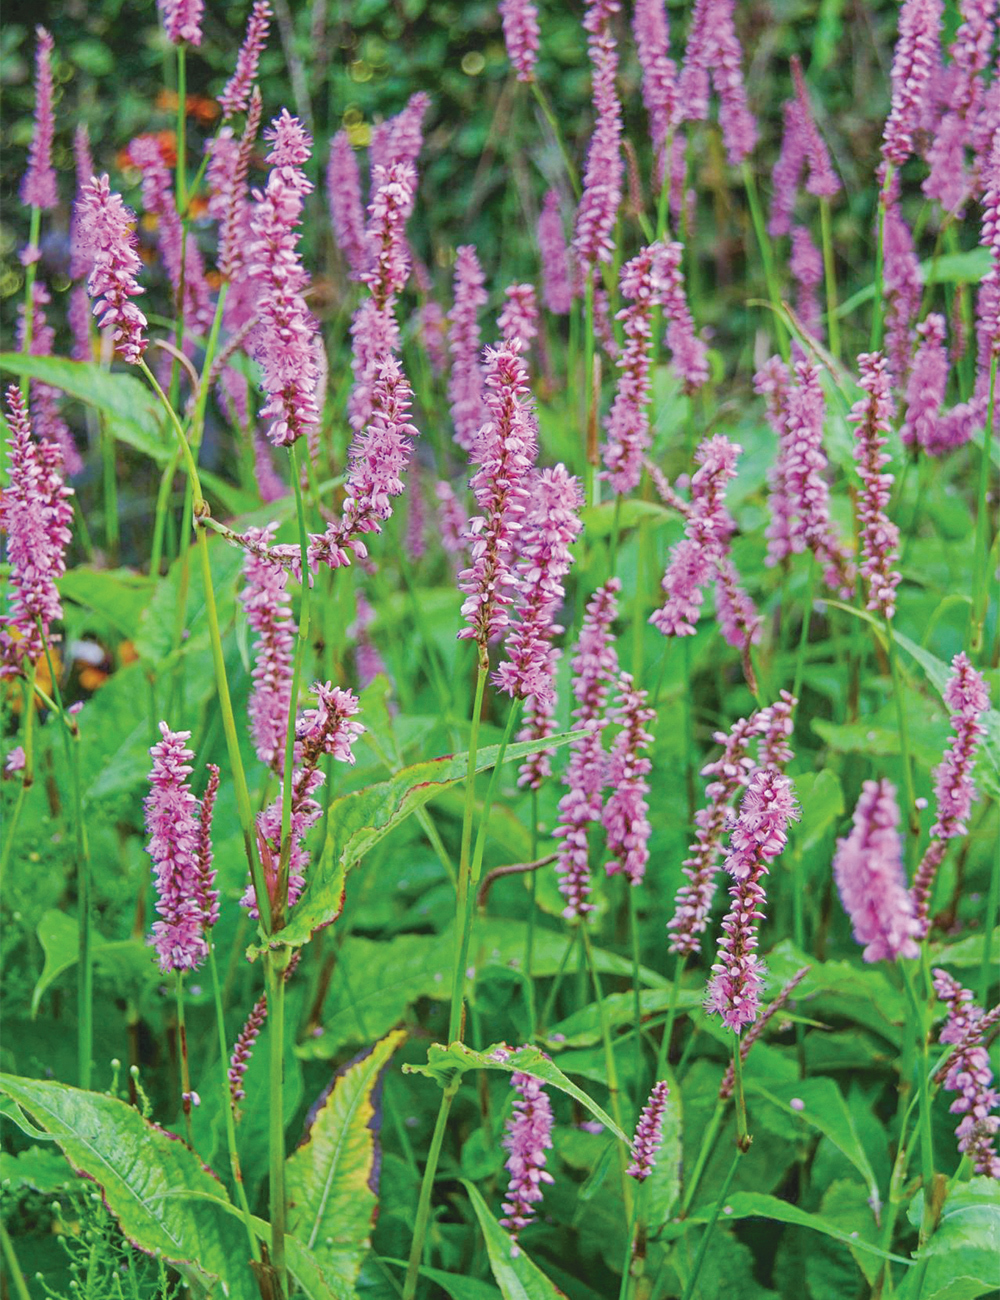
<point x="332" y="1176"/>
<point x="357" y="821"/>
<point x="446" y="1064"/>
<point x="516" y="1276"/>
<point x="165" y="1200"/>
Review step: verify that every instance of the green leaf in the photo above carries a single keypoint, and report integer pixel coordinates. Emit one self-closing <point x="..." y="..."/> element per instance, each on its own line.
<point x="59" y="937"/>
<point x="357" y="821"/>
<point x="447" y="1064"/>
<point x="517" y="1277"/>
<point x="966" y="952"/>
<point x="457" y="1286"/>
<point x="960" y="1258"/>
<point x="155" y="1186"/>
<point x="821" y="799"/>
<point x="332" y="1176"/>
<point x="664" y="1183"/>
<point x="599" y="521"/>
<point x="583" y="1027"/>
<point x="119" y="595"/>
<point x="38" y="1168"/>
<point x="826" y="1110"/>
<point x="950" y="268"/>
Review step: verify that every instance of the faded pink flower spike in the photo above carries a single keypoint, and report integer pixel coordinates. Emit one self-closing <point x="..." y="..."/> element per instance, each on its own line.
<point x="822" y="180"/>
<point x="787" y="171"/>
<point x="879" y="535"/>
<point x="806" y="266"/>
<point x="269" y="613"/>
<point x="347" y="214"/>
<point x="283" y="343"/>
<point x="38" y="186"/>
<point x="452" y="519"/>
<point x="235" y="98"/>
<point x="628" y="422"/>
<point x="748" y="1039"/>
<point x="970" y="1075"/>
<point x="528" y="1137"/>
<point x="871" y="881"/>
<point x="713" y="51"/>
<point x="758" y="838"/>
<point x="519" y="317"/>
<point x="967" y="696"/>
<point x="948" y="181"/>
<point x="557" y="291"/>
<point x="207" y="894"/>
<point x="35" y="514"/>
<point x="172" y="823"/>
<point x="687" y="349"/>
<point x="649" y="1133"/>
<point x="602" y="182"/>
<point x="651" y="29"/>
<point x="914" y="65"/>
<point x="106" y="229"/>
<point x="182" y="19"/>
<point x="926" y="387"/>
<point x="595" y="666"/>
<point x="520" y="34"/>
<point x="626" y="821"/>
<point x="465" y="384"/>
<point x="505" y="452"/>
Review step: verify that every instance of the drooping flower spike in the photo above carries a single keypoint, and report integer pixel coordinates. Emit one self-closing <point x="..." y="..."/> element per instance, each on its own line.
<point x="649" y="1133"/>
<point x="38" y="186"/>
<point x="528" y="1138"/>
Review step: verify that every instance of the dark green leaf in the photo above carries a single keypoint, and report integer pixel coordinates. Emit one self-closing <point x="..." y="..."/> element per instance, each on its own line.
<point x="516" y="1276"/>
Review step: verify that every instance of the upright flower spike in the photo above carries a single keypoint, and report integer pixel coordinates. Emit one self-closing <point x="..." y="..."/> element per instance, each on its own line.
<point x="283" y="343"/>
<point x="687" y="350"/>
<point x="36" y="515"/>
<point x="465" y="384"/>
<point x="381" y="453"/>
<point x="628" y="422"/>
<point x="185" y="899"/>
<point x="347" y="214"/>
<point x="602" y="182"/>
<point x="519" y="317"/>
<point x="528" y="1138"/>
<point x="787" y="171"/>
<point x="234" y="213"/>
<point x="731" y="771"/>
<point x="400" y="139"/>
<point x="38" y="186"/>
<point x="269" y="613"/>
<point x="926" y="387"/>
<point x="505" y="452"/>
<point x="520" y="34"/>
<point x="748" y="1039"/>
<point x="970" y="1075"/>
<point x="557" y="291"/>
<point x="243" y="1050"/>
<point x="626" y="820"/>
<point x="235" y="97"/>
<point x="871" y="881"/>
<point x="758" y="838"/>
<point x="879" y="535"/>
<point x="106" y="228"/>
<point x="81" y="259"/>
<point x="649" y="1133"/>
<point x="452" y="520"/>
<point x="206" y="893"/>
<point x="914" y="65"/>
<point x="806" y="266"/>
<point x="948" y="180"/>
<point x="903" y="289"/>
<point x="595" y="666"/>
<point x="182" y="20"/>
<point x="651" y="29"/>
<point x="713" y="52"/>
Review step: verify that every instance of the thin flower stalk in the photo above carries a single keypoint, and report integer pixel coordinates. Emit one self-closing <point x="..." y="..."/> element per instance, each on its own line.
<point x="748" y="1039"/>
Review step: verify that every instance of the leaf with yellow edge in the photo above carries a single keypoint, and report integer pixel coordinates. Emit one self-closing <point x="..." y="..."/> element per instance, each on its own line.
<point x="332" y="1177"/>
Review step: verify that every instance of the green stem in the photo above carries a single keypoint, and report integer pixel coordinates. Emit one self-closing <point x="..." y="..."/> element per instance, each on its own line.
<point x="227" y="1105"/>
<point x="926" y="1132"/>
<point x="986" y="972"/>
<point x="111" y="535"/>
<point x="28" y="772"/>
<point x="742" y="1132"/>
<point x="550" y="1001"/>
<point x="614" y="1090"/>
<point x="904" y="739"/>
<point x="543" y="103"/>
<point x="162" y="505"/>
<point x="633" y="924"/>
<point x="615" y="528"/>
<point x="182" y="1051"/>
<point x="13" y="1267"/>
<point x="767" y="257"/>
<point x="704" y="1151"/>
<point x="181" y="183"/>
<point x="663" y="205"/>
<point x="980" y="589"/>
<point x="699" y="1258"/>
<point x="668" y="1029"/>
<point x="878" y="307"/>
<point x="426" y="1188"/>
<point x="593" y="484"/>
<point x="626" y="1285"/>
<point x="529" y="944"/>
<point x="34" y="230"/>
<point x="800" y="658"/>
<point x="830" y="275"/>
<point x="277" y="963"/>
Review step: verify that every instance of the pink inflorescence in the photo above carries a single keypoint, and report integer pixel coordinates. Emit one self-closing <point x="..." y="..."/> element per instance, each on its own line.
<point x="659" y="73"/>
<point x="970" y="1075"/>
<point x="758" y="838"/>
<point x="602" y="182"/>
<point x="914" y="65"/>
<point x="520" y="34"/>
<point x="926" y="387"/>
<point x="381" y="453"/>
<point x="106" y="230"/>
<point x="283" y="342"/>
<point x="269" y="614"/>
<point x="35" y="514"/>
<point x="806" y="266"/>
<point x="557" y="291"/>
<point x="186" y="901"/>
<point x="649" y="1133"/>
<point x="236" y="95"/>
<point x="347" y="213"/>
<point x="465" y="384"/>
<point x="528" y="1137"/>
<point x="452" y="520"/>
<point x="519" y="317"/>
<point x="748" y="1039"/>
<point x="595" y="666"/>
<point x="879" y="535"/>
<point x="243" y="1049"/>
<point x="713" y="52"/>
<point x="968" y="698"/>
<point x="871" y="881"/>
<point x="182" y="19"/>
<point x="626" y="820"/>
<point x="38" y="187"/>
<point x="903" y="288"/>
<point x="505" y="452"/>
<point x="948" y="179"/>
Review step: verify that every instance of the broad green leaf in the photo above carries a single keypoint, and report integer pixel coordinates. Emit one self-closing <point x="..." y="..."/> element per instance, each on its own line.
<point x="39" y="1168"/>
<point x="758" y="1205"/>
<point x="664" y="1183"/>
<point x="599" y="521"/>
<point x="516" y="1276"/>
<point x="457" y="1286"/>
<point x="357" y="821"/>
<point x="950" y="268"/>
<point x="153" y="1184"/>
<point x="960" y="1258"/>
<point x="446" y="1064"/>
<point x="967" y="951"/>
<point x="332" y="1176"/>
<point x="821" y="799"/>
<point x="119" y="595"/>
<point x="583" y="1027"/>
<point x="59" y="937"/>
<point x="825" y="1109"/>
<point x="306" y="1271"/>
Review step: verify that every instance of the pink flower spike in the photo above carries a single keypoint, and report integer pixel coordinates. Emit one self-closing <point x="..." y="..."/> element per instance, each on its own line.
<point x="626" y="821"/>
<point x="182" y="20"/>
<point x="38" y="186"/>
<point x="871" y="881"/>
<point x="465" y="385"/>
<point x="914" y="65"/>
<point x="452" y="519"/>
<point x="651" y="29"/>
<point x="822" y="180"/>
<point x="106" y="229"/>
<point x="689" y="353"/>
<point x="879" y="535"/>
<point x="519" y="318"/>
<point x="970" y="1075"/>
<point x="235" y="98"/>
<point x="328" y="729"/>
<point x="967" y="696"/>
<point x="172" y="823"/>
<point x="269" y="614"/>
<point x="602" y="183"/>
<point x="380" y="454"/>
<point x="347" y="214"/>
<point x="787" y="172"/>
<point x="528" y="1137"/>
<point x="649" y="1133"/>
<point x="926" y="387"/>
<point x="557" y="292"/>
<point x="520" y="34"/>
<point x="243" y="1049"/>
<point x="806" y="266"/>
